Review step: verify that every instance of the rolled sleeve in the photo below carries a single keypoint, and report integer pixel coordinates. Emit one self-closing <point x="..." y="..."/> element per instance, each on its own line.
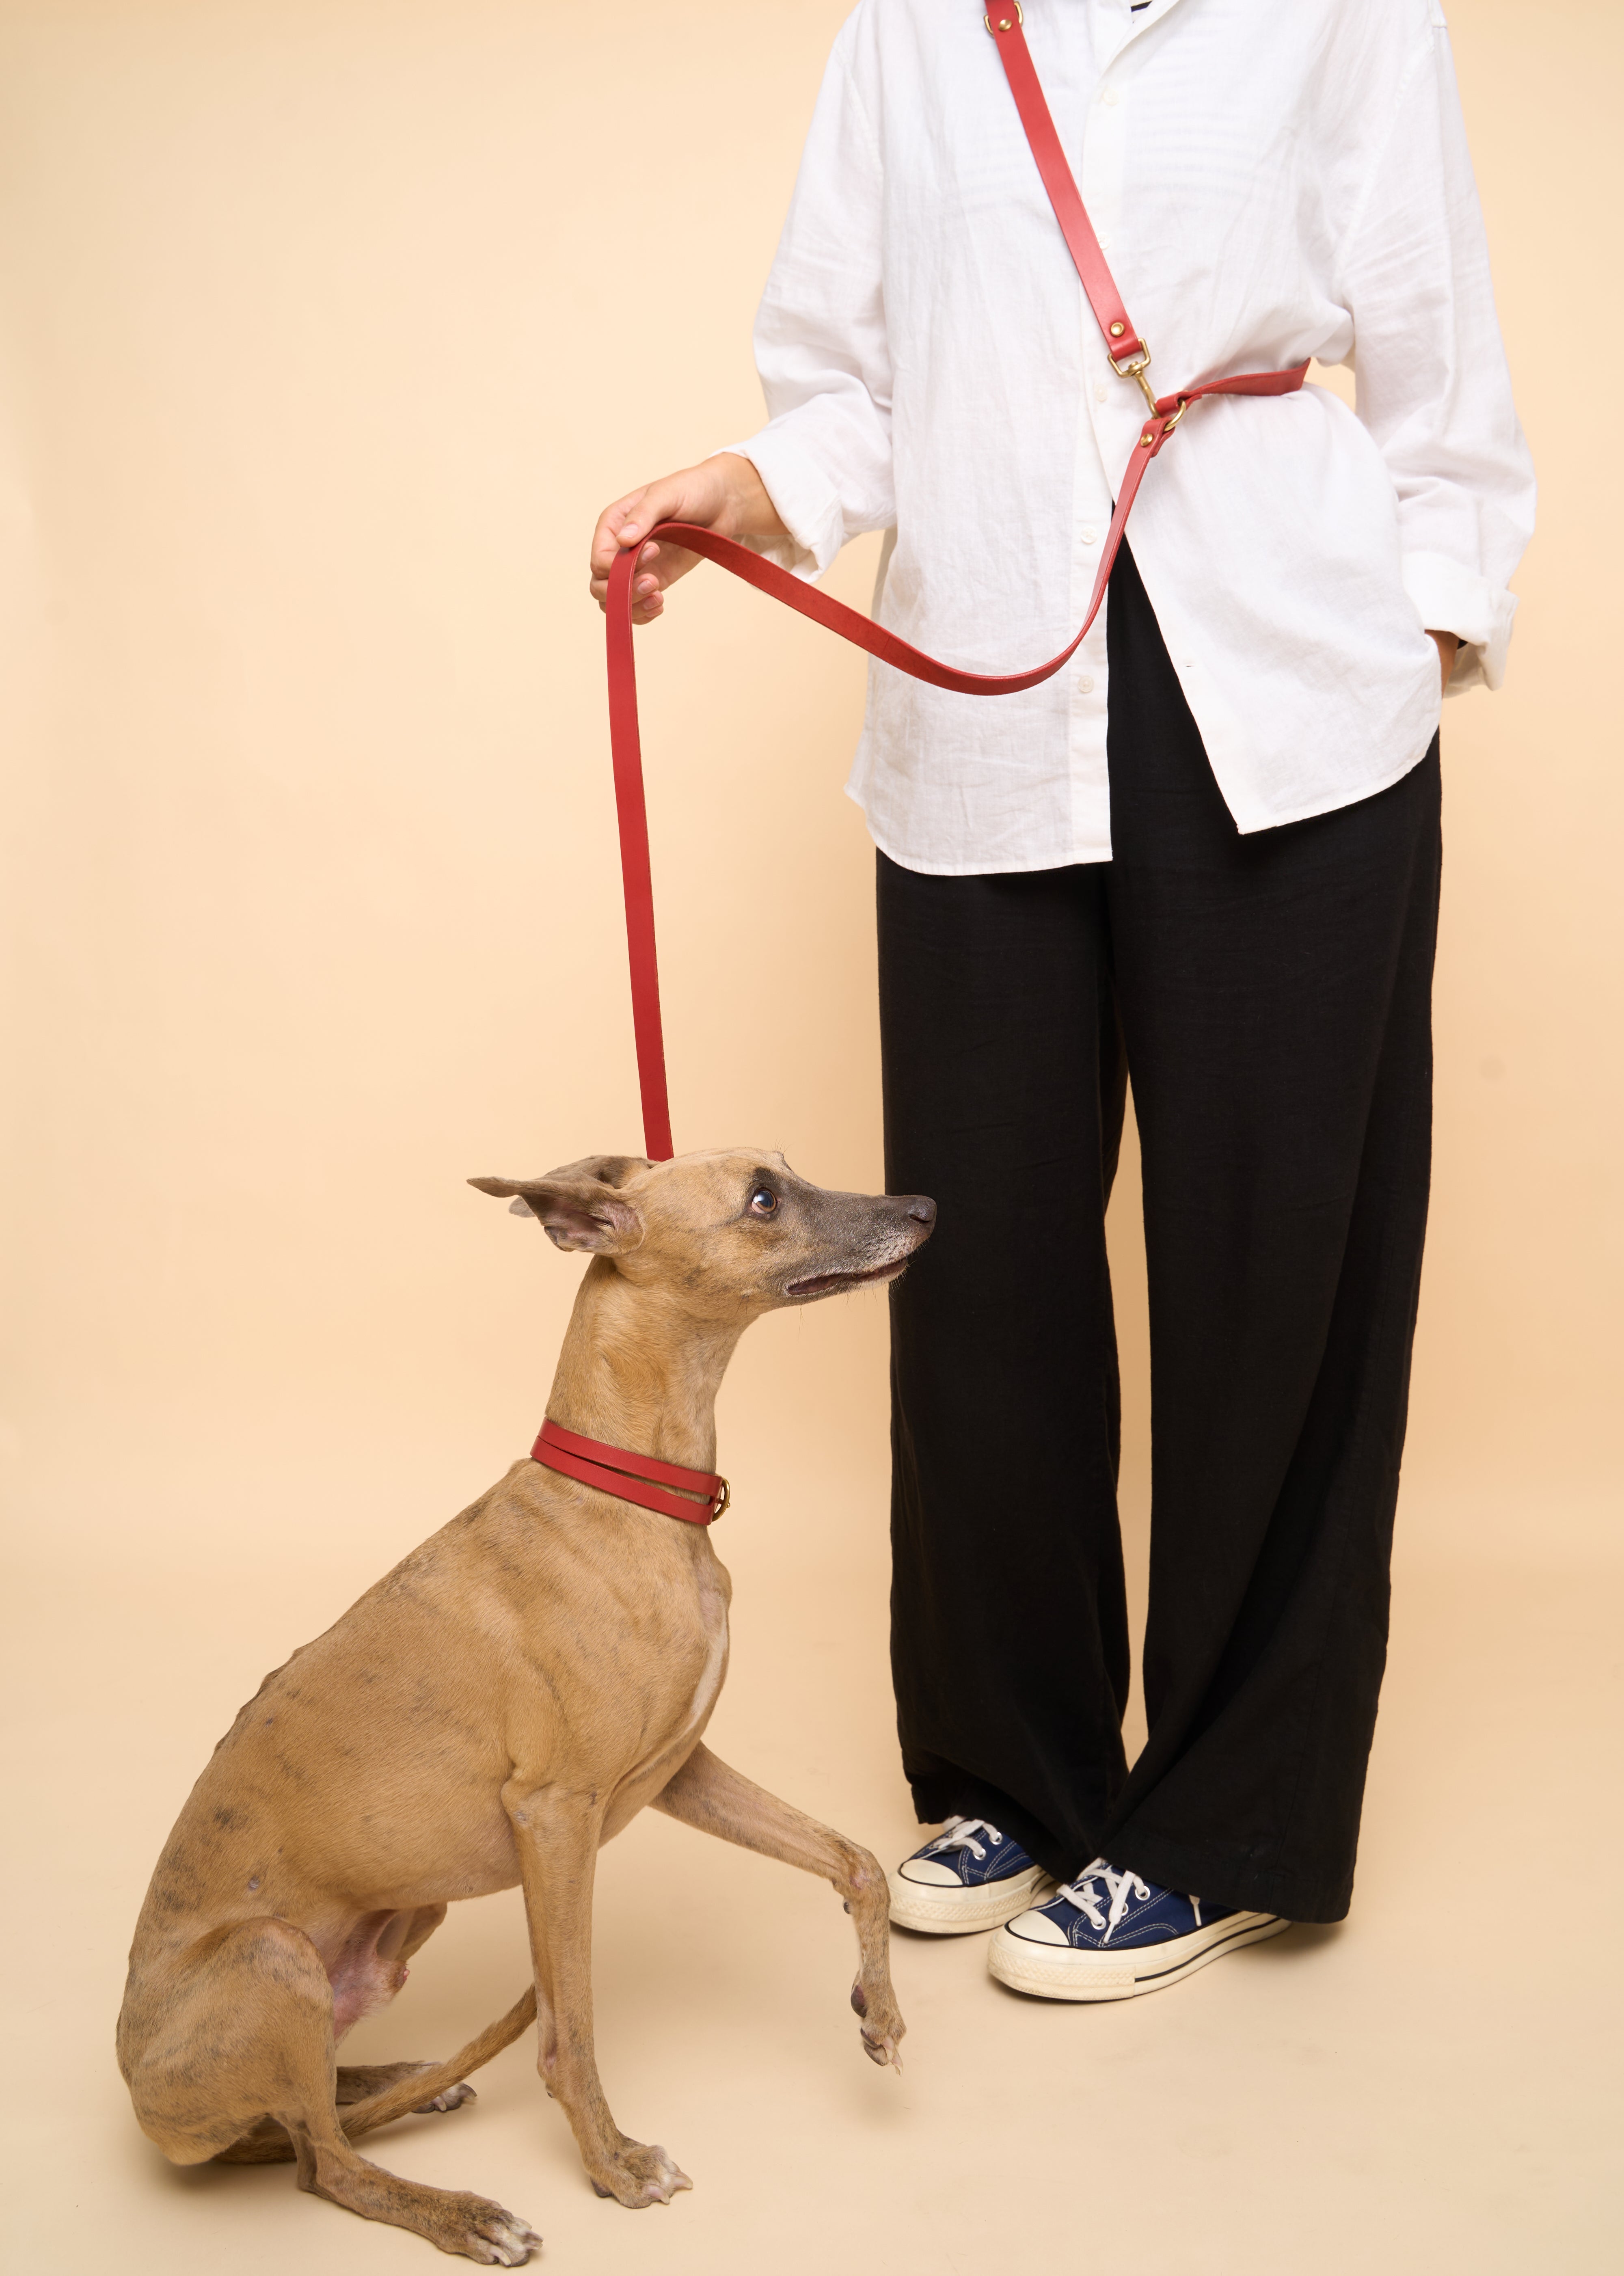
<point x="806" y="501"/>
<point x="1450" y="598"/>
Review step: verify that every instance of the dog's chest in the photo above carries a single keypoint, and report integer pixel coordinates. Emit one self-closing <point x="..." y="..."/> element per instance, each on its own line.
<point x="715" y="1660"/>
<point x="684" y="1718"/>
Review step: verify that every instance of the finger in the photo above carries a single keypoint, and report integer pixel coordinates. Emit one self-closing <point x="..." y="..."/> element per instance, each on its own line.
<point x="659" y="567"/>
<point x="648" y="600"/>
<point x="644" y="582"/>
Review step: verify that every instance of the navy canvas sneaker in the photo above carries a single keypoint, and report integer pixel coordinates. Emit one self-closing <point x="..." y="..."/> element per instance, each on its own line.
<point x="970" y="1877"/>
<point x="1110" y="1936"/>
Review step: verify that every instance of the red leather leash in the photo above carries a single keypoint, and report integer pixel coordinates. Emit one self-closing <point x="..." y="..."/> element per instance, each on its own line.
<point x="1130" y="359"/>
<point x="631" y="1478"/>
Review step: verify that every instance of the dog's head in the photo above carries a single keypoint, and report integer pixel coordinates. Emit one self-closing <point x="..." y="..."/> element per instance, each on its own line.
<point x="724" y="1230"/>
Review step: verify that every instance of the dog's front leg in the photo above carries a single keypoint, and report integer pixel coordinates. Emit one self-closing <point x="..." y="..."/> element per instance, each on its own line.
<point x="557" y="1834"/>
<point x="706" y="1793"/>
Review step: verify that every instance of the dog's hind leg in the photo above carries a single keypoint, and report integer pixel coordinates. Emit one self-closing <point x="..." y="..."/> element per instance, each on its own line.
<point x="706" y="1793"/>
<point x="270" y="2144"/>
<point x="242" y="2033"/>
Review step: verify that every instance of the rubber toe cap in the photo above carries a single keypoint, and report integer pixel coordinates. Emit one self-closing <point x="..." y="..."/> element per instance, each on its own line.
<point x="930" y="1872"/>
<point x="1036" y="1928"/>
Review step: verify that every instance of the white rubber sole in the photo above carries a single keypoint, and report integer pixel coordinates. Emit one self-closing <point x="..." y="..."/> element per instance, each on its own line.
<point x="1060" y="1971"/>
<point x="961" y="1912"/>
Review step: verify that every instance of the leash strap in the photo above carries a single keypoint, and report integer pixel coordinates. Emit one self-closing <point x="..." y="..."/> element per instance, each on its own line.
<point x="1130" y="359"/>
<point x="1122" y="342"/>
<point x="630" y="1478"/>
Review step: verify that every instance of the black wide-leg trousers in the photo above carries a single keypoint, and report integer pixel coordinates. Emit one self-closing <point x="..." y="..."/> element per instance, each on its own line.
<point x="1270" y="997"/>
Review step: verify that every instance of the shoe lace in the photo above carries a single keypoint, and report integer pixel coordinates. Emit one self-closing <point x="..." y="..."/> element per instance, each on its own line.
<point x="959" y="1834"/>
<point x="1120" y="1888"/>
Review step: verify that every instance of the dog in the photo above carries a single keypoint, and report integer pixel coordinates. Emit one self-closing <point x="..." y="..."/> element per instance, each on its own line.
<point x="489" y="1713"/>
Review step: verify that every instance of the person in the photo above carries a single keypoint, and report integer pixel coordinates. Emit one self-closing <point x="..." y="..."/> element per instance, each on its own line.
<point x="1206" y="855"/>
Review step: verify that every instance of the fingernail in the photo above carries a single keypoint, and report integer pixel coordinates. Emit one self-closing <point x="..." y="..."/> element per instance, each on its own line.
<point x="628" y="529"/>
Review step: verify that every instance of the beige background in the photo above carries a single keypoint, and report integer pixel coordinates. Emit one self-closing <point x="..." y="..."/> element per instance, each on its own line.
<point x="328" y="325"/>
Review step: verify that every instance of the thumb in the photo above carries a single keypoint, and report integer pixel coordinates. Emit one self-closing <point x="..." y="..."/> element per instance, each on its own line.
<point x="662" y="501"/>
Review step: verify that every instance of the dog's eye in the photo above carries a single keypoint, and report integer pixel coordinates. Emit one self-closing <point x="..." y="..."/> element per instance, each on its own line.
<point x="763" y="1202"/>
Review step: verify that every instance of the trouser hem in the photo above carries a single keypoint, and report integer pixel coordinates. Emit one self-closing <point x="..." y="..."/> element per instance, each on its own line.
<point x="1221" y="1880"/>
<point x="945" y="1796"/>
<point x="1229" y="1881"/>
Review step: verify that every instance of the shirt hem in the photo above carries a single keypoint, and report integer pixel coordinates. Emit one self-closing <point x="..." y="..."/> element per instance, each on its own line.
<point x="1336" y="804"/>
<point x="972" y="868"/>
<point x="1084" y="856"/>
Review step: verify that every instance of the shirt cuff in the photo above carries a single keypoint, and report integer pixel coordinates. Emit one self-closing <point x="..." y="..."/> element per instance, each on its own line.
<point x="1450" y="598"/>
<point x="805" y="499"/>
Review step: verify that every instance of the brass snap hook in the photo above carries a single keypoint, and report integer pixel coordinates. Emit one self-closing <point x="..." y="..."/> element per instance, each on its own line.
<point x="1135" y="368"/>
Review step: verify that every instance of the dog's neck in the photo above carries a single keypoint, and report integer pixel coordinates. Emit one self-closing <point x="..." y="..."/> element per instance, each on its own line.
<point x="636" y="1371"/>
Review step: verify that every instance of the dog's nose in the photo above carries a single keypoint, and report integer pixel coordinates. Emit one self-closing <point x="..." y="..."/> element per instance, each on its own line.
<point x="923" y="1209"/>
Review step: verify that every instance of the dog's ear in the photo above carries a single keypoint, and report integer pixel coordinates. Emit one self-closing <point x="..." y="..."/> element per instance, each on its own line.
<point x="579" y="1206"/>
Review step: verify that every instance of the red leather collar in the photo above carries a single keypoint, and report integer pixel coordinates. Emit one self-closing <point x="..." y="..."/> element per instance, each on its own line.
<point x="631" y="1478"/>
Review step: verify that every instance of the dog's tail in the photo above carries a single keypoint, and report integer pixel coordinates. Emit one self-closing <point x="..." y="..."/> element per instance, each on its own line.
<point x="361" y="2118"/>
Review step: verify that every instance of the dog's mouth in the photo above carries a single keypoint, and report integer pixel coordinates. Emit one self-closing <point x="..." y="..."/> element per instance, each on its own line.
<point x="827" y="1284"/>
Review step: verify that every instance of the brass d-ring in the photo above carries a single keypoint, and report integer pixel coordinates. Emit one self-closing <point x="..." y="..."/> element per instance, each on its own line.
<point x="1004" y="24"/>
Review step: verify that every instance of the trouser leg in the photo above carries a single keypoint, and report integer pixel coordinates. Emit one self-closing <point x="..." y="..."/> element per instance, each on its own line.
<point x="1003" y="1092"/>
<point x="1274" y="995"/>
<point x="1274" y="992"/>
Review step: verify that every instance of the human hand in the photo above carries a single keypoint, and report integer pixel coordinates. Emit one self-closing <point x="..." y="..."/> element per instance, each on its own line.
<point x="1448" y="647"/>
<point x="725" y="494"/>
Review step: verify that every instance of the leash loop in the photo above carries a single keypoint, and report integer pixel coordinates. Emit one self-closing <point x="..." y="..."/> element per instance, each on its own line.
<point x="1129" y="356"/>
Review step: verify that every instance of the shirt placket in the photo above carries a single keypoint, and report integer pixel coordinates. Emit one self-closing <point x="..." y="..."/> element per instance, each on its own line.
<point x="1099" y="168"/>
<point x="1102" y="166"/>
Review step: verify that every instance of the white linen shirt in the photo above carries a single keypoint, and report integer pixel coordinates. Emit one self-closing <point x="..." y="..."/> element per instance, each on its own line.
<point x="1268" y="182"/>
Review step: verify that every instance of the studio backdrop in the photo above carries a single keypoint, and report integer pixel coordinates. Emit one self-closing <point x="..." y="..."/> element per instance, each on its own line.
<point x="326" y="329"/>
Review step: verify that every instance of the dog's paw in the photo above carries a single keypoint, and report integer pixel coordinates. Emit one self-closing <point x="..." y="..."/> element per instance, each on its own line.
<point x="640" y="2174"/>
<point x="882" y="2025"/>
<point x="491" y="2235"/>
<point x="452" y="2098"/>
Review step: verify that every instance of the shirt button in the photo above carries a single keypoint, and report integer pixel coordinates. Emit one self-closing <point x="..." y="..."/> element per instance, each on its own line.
<point x="1099" y="390"/>
<point x="1087" y="683"/>
<point x="1088" y="533"/>
<point x="1108" y="96"/>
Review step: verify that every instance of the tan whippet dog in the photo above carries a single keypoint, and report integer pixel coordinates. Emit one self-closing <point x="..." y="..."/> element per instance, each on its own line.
<point x="495" y="1709"/>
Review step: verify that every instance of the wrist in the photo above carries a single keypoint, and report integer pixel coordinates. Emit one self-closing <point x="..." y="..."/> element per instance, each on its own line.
<point x="1448" y="647"/>
<point x="749" y="510"/>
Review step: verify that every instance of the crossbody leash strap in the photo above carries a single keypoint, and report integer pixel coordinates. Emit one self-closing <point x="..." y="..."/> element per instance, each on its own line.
<point x="1130" y="358"/>
<point x="1123" y="343"/>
